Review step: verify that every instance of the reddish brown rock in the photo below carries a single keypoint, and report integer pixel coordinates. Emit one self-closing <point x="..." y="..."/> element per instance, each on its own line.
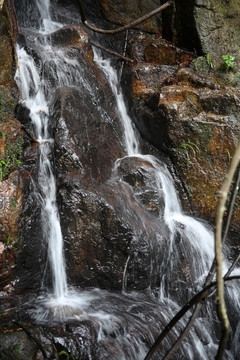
<point x="196" y="120"/>
<point x="203" y="131"/>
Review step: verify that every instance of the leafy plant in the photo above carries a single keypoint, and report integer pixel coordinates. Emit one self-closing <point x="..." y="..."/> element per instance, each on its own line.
<point x="186" y="147"/>
<point x="229" y="155"/>
<point x="3" y="167"/>
<point x="66" y="355"/>
<point x="17" y="350"/>
<point x="11" y="159"/>
<point x="229" y="61"/>
<point x="9" y="238"/>
<point x="210" y="60"/>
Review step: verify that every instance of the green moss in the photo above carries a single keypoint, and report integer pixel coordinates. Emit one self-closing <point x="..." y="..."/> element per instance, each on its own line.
<point x="12" y="157"/>
<point x="221" y="10"/>
<point x="205" y="136"/>
<point x="7" y="105"/>
<point x="13" y="202"/>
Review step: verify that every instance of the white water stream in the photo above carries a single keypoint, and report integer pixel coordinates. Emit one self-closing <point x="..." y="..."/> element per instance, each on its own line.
<point x="32" y="90"/>
<point x="198" y="235"/>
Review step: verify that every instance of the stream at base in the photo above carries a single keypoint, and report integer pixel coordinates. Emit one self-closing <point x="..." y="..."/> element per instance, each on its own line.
<point x="130" y="321"/>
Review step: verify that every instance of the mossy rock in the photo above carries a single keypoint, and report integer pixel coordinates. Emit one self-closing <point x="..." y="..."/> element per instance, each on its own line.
<point x="7" y="104"/>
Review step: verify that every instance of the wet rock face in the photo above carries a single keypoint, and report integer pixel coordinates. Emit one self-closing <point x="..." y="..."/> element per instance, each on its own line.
<point x="108" y="330"/>
<point x="217" y="23"/>
<point x="125" y="12"/>
<point x="155" y="50"/>
<point x="11" y="142"/>
<point x="195" y="119"/>
<point x="140" y="175"/>
<point x="203" y="130"/>
<point x="99" y="239"/>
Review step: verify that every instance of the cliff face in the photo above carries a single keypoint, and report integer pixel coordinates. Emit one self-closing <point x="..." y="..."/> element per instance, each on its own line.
<point x="186" y="103"/>
<point x="109" y="205"/>
<point x="177" y="103"/>
<point x="11" y="141"/>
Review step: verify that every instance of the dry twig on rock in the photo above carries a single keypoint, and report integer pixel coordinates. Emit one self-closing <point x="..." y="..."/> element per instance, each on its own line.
<point x="125" y="27"/>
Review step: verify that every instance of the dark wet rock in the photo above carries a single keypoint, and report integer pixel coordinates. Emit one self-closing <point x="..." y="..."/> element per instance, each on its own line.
<point x="140" y="175"/>
<point x="23" y="114"/>
<point x="142" y="97"/>
<point x="86" y="137"/>
<point x="8" y="101"/>
<point x="154" y="49"/>
<point x="125" y="12"/>
<point x="70" y="35"/>
<point x="98" y="241"/>
<point x="113" y="326"/>
<point x="16" y="345"/>
<point x="11" y="186"/>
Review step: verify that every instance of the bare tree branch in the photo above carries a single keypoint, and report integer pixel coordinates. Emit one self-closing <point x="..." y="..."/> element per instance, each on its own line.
<point x="125" y="27"/>
<point x="223" y="195"/>
<point x="123" y="57"/>
<point x="201" y="296"/>
<point x="231" y="206"/>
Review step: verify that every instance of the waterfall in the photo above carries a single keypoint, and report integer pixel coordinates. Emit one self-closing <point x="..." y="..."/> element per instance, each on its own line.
<point x="199" y="236"/>
<point x="34" y="97"/>
<point x="65" y="303"/>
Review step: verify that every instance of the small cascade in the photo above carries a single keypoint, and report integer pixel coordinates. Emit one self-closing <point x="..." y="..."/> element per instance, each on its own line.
<point x="113" y="315"/>
<point x="199" y="236"/>
<point x="33" y="95"/>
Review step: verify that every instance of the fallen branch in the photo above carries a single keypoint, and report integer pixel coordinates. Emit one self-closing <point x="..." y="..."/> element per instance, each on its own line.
<point x="123" y="57"/>
<point x="125" y="27"/>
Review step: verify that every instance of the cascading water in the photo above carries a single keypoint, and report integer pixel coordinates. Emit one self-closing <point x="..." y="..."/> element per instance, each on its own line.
<point x="197" y="234"/>
<point x="32" y="89"/>
<point x="65" y="303"/>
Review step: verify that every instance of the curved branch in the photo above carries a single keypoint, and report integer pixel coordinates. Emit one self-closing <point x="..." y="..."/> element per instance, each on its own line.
<point x="223" y="195"/>
<point x="125" y="27"/>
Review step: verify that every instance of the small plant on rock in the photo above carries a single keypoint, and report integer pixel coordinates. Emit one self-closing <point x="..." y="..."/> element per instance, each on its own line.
<point x="186" y="147"/>
<point x="229" y="61"/>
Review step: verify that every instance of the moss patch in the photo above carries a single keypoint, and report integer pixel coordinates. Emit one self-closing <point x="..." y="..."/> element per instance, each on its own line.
<point x="7" y="104"/>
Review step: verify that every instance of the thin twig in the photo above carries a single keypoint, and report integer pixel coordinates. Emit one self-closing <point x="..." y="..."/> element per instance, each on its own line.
<point x="208" y="280"/>
<point x="234" y="264"/>
<point x="32" y="336"/>
<point x="122" y="65"/>
<point x="125" y="27"/>
<point x="112" y="52"/>
<point x="196" y="313"/>
<point x="200" y="296"/>
<point x="231" y="206"/>
<point x="186" y="331"/>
